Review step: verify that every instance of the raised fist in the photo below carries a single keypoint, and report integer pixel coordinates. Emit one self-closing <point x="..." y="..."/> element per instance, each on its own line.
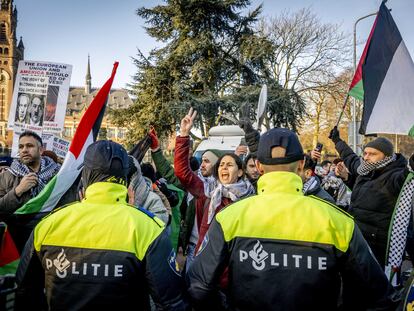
<point x="155" y="144"/>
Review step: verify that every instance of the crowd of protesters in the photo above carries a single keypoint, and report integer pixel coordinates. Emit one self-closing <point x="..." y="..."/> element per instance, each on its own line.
<point x="264" y="228"/>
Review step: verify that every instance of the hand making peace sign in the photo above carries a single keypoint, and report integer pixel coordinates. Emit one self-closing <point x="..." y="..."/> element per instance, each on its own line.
<point x="187" y="122"/>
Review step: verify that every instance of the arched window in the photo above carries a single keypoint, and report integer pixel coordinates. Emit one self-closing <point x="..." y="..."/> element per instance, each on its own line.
<point x="1" y="50"/>
<point x="2" y="103"/>
<point x="3" y="33"/>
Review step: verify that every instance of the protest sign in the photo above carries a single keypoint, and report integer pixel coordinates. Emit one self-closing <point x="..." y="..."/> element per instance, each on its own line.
<point x="60" y="146"/>
<point x="40" y="97"/>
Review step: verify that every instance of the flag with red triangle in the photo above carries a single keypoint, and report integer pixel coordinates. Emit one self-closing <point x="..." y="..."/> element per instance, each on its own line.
<point x="86" y="133"/>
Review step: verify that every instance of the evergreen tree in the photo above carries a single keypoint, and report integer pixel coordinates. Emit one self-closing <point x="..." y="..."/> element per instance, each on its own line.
<point x="210" y="54"/>
<point x="200" y="60"/>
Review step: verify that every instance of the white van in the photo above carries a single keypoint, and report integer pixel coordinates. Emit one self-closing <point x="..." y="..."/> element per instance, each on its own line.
<point x="224" y="137"/>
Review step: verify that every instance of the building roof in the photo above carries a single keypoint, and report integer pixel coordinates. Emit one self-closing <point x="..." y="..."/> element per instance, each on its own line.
<point x="78" y="99"/>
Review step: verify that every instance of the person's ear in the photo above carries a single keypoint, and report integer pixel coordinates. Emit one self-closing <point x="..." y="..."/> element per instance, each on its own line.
<point x="259" y="167"/>
<point x="240" y="173"/>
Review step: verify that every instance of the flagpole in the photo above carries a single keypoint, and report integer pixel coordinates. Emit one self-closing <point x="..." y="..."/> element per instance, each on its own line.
<point x="354" y="129"/>
<point x="343" y="109"/>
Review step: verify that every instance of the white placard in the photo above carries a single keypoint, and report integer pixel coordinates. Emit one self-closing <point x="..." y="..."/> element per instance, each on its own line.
<point x="40" y="97"/>
<point x="60" y="146"/>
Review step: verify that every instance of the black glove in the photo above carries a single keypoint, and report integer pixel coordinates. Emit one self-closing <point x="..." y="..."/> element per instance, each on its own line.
<point x="411" y="161"/>
<point x="171" y="196"/>
<point x="334" y="135"/>
<point x="246" y="125"/>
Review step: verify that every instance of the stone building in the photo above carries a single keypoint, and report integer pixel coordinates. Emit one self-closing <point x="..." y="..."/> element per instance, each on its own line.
<point x="79" y="99"/>
<point x="11" y="53"/>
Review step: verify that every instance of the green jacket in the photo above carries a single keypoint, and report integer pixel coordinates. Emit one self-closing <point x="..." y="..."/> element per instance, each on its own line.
<point x="187" y="211"/>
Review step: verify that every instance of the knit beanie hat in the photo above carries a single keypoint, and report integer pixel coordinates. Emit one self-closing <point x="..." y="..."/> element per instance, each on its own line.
<point x="213" y="155"/>
<point x="382" y="144"/>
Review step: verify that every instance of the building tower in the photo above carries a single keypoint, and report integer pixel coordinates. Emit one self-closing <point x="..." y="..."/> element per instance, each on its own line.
<point x="88" y="84"/>
<point x="10" y="55"/>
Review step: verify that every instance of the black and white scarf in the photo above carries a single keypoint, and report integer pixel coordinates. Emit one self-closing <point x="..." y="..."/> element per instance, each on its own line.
<point x="48" y="169"/>
<point x="310" y="185"/>
<point x="366" y="167"/>
<point x="398" y="229"/>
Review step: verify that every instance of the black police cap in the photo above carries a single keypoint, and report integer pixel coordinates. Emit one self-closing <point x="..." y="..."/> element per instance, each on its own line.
<point x="279" y="137"/>
<point x="101" y="155"/>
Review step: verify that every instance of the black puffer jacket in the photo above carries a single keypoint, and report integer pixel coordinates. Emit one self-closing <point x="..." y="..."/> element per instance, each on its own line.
<point x="373" y="197"/>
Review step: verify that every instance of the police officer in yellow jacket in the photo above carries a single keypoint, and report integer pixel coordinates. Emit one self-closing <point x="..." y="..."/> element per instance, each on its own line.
<point x="284" y="250"/>
<point x="101" y="253"/>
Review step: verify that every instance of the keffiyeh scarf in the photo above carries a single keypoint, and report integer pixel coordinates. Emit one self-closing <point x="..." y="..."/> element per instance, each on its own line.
<point x="234" y="192"/>
<point x="48" y="169"/>
<point x="210" y="183"/>
<point x="398" y="225"/>
<point x="310" y="185"/>
<point x="366" y="167"/>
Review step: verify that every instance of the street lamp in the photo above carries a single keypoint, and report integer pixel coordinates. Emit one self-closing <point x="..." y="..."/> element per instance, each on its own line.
<point x="354" y="128"/>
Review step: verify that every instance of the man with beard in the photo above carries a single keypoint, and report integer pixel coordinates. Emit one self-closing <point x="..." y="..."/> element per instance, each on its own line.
<point x="380" y="174"/>
<point x="25" y="178"/>
<point x="252" y="173"/>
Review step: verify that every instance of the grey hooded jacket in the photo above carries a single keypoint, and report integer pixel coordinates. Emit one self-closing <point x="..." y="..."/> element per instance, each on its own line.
<point x="145" y="197"/>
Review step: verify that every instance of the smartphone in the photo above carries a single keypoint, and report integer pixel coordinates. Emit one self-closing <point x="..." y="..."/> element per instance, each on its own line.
<point x="319" y="147"/>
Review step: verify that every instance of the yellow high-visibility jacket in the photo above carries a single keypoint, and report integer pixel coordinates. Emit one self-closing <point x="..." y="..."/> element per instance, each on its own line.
<point x="286" y="251"/>
<point x="100" y="254"/>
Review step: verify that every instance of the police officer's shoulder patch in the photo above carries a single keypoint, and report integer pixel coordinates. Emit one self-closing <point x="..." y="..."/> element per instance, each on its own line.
<point x="172" y="262"/>
<point x="158" y="221"/>
<point x="147" y="212"/>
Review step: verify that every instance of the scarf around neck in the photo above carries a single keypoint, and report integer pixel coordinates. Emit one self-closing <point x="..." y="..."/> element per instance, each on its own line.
<point x="210" y="183"/>
<point x="366" y="167"/>
<point x="48" y="169"/>
<point x="311" y="185"/>
<point x="234" y="192"/>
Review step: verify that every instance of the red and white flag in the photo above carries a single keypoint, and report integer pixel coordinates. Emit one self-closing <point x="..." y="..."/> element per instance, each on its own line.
<point x="85" y="134"/>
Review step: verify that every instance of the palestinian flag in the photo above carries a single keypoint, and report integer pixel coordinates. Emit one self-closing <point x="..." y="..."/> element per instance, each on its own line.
<point x="9" y="256"/>
<point x="384" y="80"/>
<point x="85" y="135"/>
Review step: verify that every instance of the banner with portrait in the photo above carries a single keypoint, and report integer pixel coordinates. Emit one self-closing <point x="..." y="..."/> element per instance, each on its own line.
<point x="40" y="97"/>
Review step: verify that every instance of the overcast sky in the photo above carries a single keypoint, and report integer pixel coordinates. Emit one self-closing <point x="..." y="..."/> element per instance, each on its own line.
<point x="109" y="30"/>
